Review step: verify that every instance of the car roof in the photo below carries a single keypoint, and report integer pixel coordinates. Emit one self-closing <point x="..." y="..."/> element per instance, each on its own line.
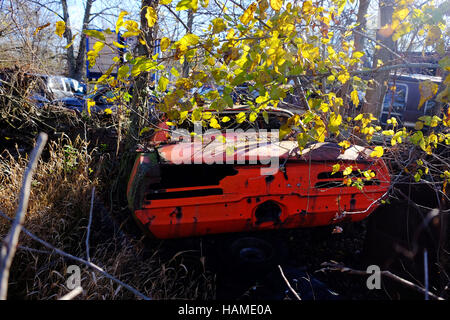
<point x="416" y="77"/>
<point x="252" y="147"/>
<point x="242" y="108"/>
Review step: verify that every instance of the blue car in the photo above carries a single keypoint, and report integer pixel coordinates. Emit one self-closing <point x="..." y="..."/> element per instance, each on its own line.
<point x="78" y="103"/>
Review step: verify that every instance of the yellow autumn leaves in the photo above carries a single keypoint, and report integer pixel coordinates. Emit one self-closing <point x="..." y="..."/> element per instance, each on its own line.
<point x="248" y="14"/>
<point x="276" y="4"/>
<point x="351" y="181"/>
<point x="151" y="16"/>
<point x="187" y="4"/>
<point x="60" y="28"/>
<point x="427" y="90"/>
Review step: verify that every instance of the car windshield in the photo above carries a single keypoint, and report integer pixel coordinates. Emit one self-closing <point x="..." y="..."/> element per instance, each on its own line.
<point x="395" y="98"/>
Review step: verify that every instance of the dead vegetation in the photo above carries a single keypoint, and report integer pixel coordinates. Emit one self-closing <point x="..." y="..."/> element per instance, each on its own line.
<point x="58" y="213"/>
<point x="60" y="203"/>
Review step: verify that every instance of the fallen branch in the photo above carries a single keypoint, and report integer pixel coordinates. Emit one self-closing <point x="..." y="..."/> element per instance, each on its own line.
<point x="333" y="266"/>
<point x="74" y="258"/>
<point x="288" y="284"/>
<point x="72" y="294"/>
<point x="10" y="242"/>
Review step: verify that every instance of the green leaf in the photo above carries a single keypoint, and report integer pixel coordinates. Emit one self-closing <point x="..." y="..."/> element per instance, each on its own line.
<point x="417" y="177"/>
<point x="444" y="63"/>
<point x="219" y="25"/>
<point x="174" y="72"/>
<point x="123" y="71"/>
<point x="95" y="34"/>
<point x="228" y="100"/>
<point x="285" y="129"/>
<point x="266" y="117"/>
<point x="417" y="137"/>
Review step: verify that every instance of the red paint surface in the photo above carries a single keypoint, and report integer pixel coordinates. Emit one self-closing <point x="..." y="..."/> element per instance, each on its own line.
<point x="302" y="204"/>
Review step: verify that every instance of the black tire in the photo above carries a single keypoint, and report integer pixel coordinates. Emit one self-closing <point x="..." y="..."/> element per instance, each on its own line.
<point x="253" y="256"/>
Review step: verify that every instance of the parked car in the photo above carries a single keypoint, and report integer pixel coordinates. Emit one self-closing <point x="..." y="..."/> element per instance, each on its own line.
<point x="240" y="94"/>
<point x="176" y="191"/>
<point x="38" y="100"/>
<point x="403" y="102"/>
<point x="78" y="103"/>
<point x="54" y="87"/>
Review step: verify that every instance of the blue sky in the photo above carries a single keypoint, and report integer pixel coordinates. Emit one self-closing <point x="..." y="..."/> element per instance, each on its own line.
<point x="76" y="12"/>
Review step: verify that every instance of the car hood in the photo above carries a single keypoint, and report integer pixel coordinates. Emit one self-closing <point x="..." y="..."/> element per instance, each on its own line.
<point x="226" y="148"/>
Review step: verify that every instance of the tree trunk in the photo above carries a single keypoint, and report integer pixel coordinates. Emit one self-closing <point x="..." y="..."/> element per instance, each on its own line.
<point x="362" y="21"/>
<point x="377" y="89"/>
<point x="76" y="65"/>
<point x="359" y="46"/>
<point x="140" y="94"/>
<point x="68" y="35"/>
<point x="189" y="24"/>
<point x="139" y="104"/>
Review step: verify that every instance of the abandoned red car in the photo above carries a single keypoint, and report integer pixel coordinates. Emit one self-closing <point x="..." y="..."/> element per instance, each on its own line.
<point x="176" y="190"/>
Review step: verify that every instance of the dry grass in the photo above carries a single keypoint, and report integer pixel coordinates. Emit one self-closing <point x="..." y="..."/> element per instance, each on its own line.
<point x="58" y="213"/>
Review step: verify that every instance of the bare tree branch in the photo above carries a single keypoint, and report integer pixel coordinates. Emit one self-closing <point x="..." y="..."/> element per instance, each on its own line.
<point x="329" y="266"/>
<point x="10" y="242"/>
<point x="89" y="225"/>
<point x="72" y="294"/>
<point x="74" y="258"/>
<point x="288" y="284"/>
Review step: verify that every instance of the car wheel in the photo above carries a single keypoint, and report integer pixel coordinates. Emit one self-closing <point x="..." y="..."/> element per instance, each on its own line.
<point x="253" y="256"/>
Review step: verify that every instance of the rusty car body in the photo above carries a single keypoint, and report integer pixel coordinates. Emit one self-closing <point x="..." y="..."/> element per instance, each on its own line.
<point x="175" y="192"/>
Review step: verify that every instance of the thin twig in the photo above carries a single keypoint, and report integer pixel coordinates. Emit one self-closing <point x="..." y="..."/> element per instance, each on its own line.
<point x="288" y="284"/>
<point x="425" y="266"/>
<point x="341" y="268"/>
<point x="88" y="235"/>
<point x="89" y="225"/>
<point x="80" y="260"/>
<point x="72" y="294"/>
<point x="380" y="43"/>
<point x="10" y="242"/>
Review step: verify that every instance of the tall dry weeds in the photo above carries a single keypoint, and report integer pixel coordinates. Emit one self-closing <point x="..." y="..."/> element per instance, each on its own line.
<point x="58" y="213"/>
